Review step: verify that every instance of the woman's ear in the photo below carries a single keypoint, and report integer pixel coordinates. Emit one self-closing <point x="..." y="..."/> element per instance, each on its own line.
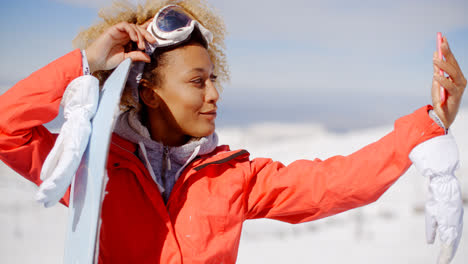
<point x="149" y="96"/>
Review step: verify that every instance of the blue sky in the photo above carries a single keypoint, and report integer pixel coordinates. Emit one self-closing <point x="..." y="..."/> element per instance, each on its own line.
<point x="342" y="63"/>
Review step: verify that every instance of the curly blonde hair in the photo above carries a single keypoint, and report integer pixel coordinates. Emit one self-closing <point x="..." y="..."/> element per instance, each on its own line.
<point x="122" y="10"/>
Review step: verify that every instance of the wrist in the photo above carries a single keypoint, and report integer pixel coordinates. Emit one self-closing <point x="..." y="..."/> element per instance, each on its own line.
<point x="437" y="120"/>
<point x="90" y="60"/>
<point x="85" y="64"/>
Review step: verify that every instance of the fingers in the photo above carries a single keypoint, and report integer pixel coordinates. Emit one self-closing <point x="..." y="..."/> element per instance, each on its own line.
<point x="146" y="24"/>
<point x="448" y="53"/>
<point x="111" y="47"/>
<point x="435" y="93"/>
<point x="446" y="83"/>
<point x="133" y="33"/>
<point x="447" y="68"/>
<point x="434" y="58"/>
<point x="143" y="34"/>
<point x="455" y="83"/>
<point x="454" y="73"/>
<point x="136" y="34"/>
<point x="148" y="36"/>
<point x="138" y="56"/>
<point x="450" y="65"/>
<point x="438" y="80"/>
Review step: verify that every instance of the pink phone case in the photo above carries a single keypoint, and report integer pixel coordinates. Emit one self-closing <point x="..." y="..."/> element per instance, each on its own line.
<point x="443" y="96"/>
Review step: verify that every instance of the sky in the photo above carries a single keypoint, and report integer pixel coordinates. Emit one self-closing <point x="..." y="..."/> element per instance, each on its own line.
<point x="344" y="64"/>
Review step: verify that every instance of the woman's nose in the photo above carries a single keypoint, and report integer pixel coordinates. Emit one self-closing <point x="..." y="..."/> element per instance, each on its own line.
<point x="212" y="94"/>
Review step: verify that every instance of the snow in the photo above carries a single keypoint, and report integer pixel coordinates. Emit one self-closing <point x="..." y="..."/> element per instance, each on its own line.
<point x="391" y="230"/>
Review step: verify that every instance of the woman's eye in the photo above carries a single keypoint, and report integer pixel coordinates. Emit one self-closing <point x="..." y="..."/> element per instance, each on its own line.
<point x="197" y="82"/>
<point x="200" y="81"/>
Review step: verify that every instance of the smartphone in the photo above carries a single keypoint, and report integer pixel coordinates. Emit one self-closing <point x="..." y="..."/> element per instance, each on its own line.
<point x="443" y="92"/>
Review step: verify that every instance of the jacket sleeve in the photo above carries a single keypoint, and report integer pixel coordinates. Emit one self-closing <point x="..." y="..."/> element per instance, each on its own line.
<point x="309" y="190"/>
<point x="24" y="108"/>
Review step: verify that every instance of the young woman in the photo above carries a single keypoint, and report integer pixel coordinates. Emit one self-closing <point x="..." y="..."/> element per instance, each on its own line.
<point x="175" y="195"/>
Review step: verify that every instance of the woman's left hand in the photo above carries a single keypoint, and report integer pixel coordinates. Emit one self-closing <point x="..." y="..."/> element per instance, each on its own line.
<point x="455" y="85"/>
<point x="108" y="50"/>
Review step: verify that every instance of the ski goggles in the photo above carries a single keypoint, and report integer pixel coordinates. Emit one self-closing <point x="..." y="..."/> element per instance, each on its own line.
<point x="172" y="25"/>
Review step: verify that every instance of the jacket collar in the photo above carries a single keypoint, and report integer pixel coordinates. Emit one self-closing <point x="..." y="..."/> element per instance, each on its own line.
<point x="220" y="155"/>
<point x="123" y="143"/>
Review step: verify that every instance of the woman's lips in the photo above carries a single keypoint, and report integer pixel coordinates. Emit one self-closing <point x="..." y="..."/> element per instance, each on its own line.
<point x="209" y="114"/>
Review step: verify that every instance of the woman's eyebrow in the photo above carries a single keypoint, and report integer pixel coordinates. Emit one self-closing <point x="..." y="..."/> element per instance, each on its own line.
<point x="199" y="69"/>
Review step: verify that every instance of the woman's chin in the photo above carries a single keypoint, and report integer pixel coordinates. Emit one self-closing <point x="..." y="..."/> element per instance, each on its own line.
<point x="205" y="130"/>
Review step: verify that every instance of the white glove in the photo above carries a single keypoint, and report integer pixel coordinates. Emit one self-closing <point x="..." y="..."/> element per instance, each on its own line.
<point x="438" y="159"/>
<point x="80" y="102"/>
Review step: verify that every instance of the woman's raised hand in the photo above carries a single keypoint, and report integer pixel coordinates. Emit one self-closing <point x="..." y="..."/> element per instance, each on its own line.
<point x="108" y="51"/>
<point x="455" y="85"/>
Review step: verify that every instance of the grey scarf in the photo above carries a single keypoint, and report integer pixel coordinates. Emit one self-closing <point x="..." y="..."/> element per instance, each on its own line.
<point x="164" y="163"/>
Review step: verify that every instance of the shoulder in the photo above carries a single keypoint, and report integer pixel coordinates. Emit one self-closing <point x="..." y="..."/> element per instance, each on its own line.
<point x="222" y="155"/>
<point x="225" y="157"/>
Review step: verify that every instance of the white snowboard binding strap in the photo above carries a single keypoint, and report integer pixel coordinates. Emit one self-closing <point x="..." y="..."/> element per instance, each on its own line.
<point x="438" y="160"/>
<point x="80" y="102"/>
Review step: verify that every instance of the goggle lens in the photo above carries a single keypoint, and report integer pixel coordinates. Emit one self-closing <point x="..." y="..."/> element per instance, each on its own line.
<point x="172" y="19"/>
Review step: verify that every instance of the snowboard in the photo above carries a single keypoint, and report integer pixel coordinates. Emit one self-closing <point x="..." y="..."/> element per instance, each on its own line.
<point x="89" y="183"/>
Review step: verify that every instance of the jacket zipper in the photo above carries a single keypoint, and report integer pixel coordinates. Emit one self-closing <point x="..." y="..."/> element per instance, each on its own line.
<point x="166" y="164"/>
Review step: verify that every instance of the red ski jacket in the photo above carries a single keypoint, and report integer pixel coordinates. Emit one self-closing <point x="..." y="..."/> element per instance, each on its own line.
<point x="215" y="194"/>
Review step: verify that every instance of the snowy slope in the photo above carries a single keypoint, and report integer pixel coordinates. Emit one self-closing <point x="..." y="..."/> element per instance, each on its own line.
<point x="388" y="231"/>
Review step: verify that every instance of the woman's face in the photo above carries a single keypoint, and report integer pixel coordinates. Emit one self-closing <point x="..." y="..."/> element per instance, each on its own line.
<point x="187" y="96"/>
